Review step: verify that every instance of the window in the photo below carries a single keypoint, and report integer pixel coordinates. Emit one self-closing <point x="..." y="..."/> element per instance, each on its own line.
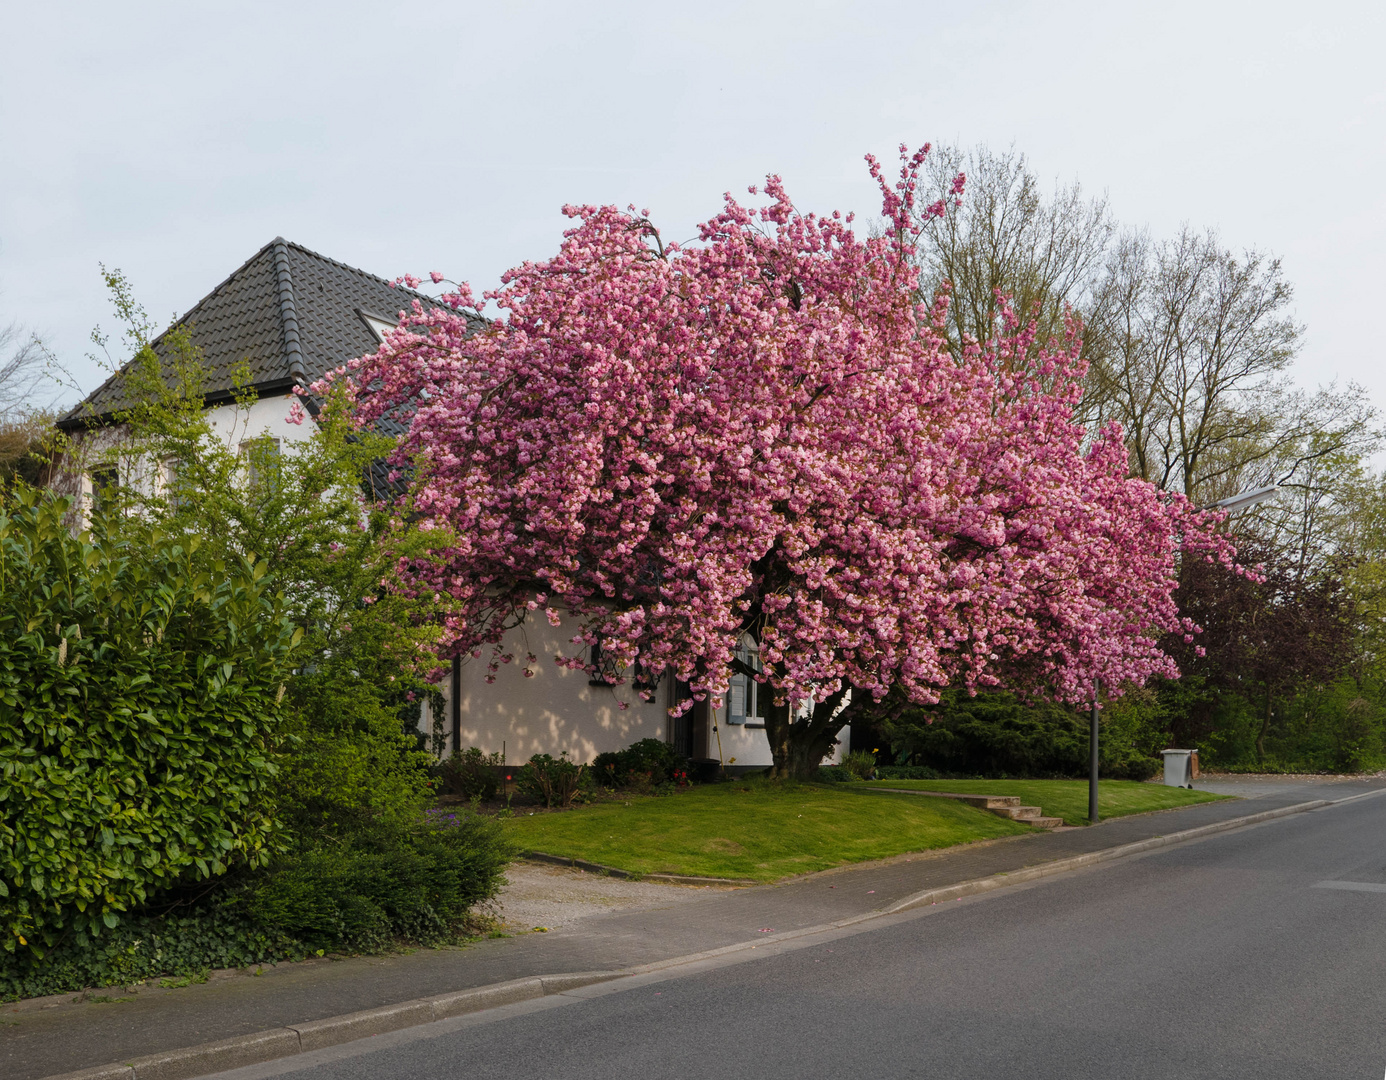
<point x="378" y="325"/>
<point x="105" y="488"/>
<point x="174" y="485"/>
<point x="262" y="464"/>
<point x="604" y="670"/>
<point x="746" y="698"/>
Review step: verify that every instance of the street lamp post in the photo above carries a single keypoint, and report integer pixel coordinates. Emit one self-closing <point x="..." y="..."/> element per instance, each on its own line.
<point x="1243" y="500"/>
<point x="1092" y="746"/>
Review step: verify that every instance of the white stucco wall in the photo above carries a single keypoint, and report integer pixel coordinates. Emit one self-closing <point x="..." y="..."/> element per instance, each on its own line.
<point x="265" y="417"/>
<point x="557" y="709"/>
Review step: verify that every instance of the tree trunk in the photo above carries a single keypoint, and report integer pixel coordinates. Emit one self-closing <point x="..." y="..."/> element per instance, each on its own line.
<point x="799" y="745"/>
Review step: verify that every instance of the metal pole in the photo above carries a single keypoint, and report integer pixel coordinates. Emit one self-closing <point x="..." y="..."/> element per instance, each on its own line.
<point x="1092" y="774"/>
<point x="455" y="705"/>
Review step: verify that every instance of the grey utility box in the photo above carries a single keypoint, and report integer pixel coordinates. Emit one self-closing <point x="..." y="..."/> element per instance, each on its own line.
<point x="1179" y="767"/>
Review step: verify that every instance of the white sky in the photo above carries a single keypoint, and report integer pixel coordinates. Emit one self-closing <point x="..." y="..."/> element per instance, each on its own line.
<point x="173" y="140"/>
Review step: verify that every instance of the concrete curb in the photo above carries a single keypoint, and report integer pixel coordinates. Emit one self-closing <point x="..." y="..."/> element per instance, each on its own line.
<point x="1091" y="858"/>
<point x="261" y="1046"/>
<point x="611" y="871"/>
<point x="193" y="1061"/>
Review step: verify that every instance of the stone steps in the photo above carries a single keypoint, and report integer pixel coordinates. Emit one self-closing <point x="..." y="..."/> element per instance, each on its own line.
<point x="1029" y="815"/>
<point x="1006" y="806"/>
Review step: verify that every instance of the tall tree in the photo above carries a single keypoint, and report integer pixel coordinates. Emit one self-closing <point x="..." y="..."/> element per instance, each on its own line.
<point x="1004" y="237"/>
<point x="1265" y="635"/>
<point x="1188" y="344"/>
<point x="1196" y="344"/>
<point x="766" y="433"/>
<point x="22" y="371"/>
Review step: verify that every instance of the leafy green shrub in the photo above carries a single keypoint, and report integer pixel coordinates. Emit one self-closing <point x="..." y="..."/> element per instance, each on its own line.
<point x="861" y="764"/>
<point x="414" y="886"/>
<point x="139" y="696"/>
<point x="553" y="780"/>
<point x="470" y="774"/>
<point x="417" y="885"/>
<point x="643" y="765"/>
<point x="833" y="774"/>
<point x="332" y="785"/>
<point x="999" y="735"/>
<point x="185" y="944"/>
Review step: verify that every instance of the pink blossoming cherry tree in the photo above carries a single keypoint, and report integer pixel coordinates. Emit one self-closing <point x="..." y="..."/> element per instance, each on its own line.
<point x="763" y="433"/>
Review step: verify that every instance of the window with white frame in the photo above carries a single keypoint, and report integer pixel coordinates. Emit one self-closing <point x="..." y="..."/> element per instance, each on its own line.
<point x="262" y="464"/>
<point x="175" y="483"/>
<point x="378" y="325"/>
<point x="746" y="697"/>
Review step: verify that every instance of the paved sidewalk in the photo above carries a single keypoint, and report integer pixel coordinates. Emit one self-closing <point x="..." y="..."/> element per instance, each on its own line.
<point x="70" y="1035"/>
<point x="1268" y="785"/>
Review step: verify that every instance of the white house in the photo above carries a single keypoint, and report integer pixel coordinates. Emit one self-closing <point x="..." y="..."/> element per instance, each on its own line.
<point x="291" y="315"/>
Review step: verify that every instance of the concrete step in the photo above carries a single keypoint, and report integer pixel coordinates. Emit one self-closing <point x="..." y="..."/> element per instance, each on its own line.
<point x="1018" y="813"/>
<point x="1006" y="806"/>
<point x="1029" y="815"/>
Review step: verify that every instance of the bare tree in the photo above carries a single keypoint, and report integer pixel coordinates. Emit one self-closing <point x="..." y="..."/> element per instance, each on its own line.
<point x="1193" y="345"/>
<point x="23" y="371"/>
<point x="1189" y="345"/>
<point x="27" y="390"/>
<point x="1045" y="252"/>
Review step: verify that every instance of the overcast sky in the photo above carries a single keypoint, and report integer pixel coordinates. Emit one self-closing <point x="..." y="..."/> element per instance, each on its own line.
<point x="174" y="140"/>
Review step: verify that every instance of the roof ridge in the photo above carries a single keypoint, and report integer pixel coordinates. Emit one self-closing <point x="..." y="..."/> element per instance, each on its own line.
<point x="288" y="313"/>
<point x="364" y="273"/>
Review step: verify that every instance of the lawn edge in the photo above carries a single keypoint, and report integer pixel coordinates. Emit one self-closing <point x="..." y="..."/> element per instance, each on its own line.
<point x="635" y="875"/>
<point x="1082" y="823"/>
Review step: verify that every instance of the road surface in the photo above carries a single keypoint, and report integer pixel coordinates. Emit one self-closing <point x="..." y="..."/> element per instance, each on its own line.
<point x="1259" y="953"/>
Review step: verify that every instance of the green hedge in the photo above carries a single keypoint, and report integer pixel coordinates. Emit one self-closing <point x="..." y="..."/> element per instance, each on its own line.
<point x="139" y="693"/>
<point x="414" y="885"/>
<point x="381" y="889"/>
<point x="998" y="734"/>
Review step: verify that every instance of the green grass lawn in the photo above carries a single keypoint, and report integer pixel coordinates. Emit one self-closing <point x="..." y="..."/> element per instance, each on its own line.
<point x="752" y="829"/>
<point x="1067" y="799"/>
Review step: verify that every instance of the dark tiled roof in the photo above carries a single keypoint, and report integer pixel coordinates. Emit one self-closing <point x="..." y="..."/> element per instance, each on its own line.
<point x="289" y="313"/>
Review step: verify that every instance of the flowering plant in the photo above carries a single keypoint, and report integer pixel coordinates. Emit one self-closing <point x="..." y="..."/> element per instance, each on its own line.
<point x="763" y="433"/>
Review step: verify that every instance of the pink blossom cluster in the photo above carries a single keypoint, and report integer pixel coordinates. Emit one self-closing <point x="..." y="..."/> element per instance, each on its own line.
<point x="765" y="432"/>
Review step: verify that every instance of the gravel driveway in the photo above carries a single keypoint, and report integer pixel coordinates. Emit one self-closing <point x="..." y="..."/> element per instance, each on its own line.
<point x="555" y="897"/>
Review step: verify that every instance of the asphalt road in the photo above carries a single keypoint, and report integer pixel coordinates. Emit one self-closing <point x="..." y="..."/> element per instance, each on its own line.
<point x="1227" y="957"/>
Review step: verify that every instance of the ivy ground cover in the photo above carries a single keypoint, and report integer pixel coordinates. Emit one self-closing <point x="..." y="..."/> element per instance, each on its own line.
<point x="1067" y="799"/>
<point x="752" y="829"/>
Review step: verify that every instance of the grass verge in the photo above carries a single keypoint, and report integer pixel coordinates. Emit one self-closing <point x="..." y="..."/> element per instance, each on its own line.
<point x="1067" y="799"/>
<point x="754" y="829"/>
